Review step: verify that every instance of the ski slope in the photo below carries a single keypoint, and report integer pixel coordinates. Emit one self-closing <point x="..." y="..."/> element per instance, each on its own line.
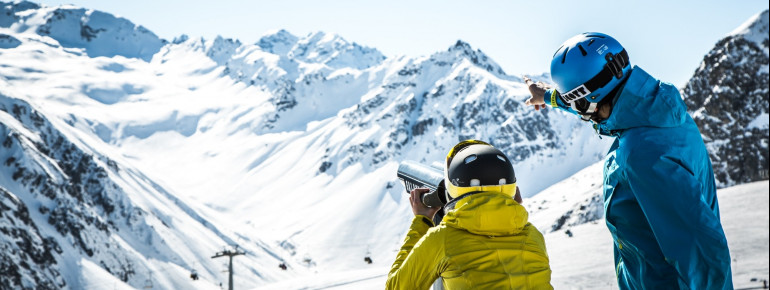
<point x="585" y="261"/>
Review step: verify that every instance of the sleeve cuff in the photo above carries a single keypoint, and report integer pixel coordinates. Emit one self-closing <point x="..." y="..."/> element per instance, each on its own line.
<point x="551" y="98"/>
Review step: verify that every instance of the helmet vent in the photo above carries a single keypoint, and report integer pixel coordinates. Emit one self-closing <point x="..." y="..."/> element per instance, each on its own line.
<point x="582" y="50"/>
<point x="557" y="51"/>
<point x="502" y="181"/>
<point x="470" y="159"/>
<point x="501" y="158"/>
<point x="475" y="182"/>
<point x="591" y="42"/>
<point x="564" y="56"/>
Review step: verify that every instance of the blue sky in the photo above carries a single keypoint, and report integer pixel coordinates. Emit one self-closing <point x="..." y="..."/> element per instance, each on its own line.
<point x="666" y="38"/>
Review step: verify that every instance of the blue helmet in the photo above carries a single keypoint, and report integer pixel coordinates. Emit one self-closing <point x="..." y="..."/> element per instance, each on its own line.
<point x="587" y="67"/>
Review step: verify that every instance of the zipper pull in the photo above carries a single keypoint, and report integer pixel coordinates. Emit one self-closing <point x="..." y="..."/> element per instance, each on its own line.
<point x="596" y="129"/>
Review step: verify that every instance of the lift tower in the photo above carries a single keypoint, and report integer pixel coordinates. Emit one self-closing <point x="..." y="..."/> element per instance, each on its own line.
<point x="230" y="254"/>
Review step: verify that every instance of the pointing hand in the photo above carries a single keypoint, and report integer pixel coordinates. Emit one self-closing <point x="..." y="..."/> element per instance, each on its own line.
<point x="537" y="90"/>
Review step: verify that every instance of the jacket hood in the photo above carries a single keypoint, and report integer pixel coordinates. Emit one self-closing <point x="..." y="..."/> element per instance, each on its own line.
<point x="488" y="213"/>
<point x="645" y="102"/>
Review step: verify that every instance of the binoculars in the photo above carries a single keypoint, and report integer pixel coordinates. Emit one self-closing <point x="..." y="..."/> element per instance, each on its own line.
<point x="416" y="175"/>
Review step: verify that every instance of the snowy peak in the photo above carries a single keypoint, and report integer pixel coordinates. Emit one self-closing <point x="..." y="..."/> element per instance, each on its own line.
<point x="463" y="50"/>
<point x="329" y="50"/>
<point x="222" y="49"/>
<point x="279" y="42"/>
<point x="180" y="39"/>
<point x="755" y="29"/>
<point x="9" y="11"/>
<point x="281" y="55"/>
<point x="727" y="97"/>
<point x="98" y="33"/>
<point x="334" y="51"/>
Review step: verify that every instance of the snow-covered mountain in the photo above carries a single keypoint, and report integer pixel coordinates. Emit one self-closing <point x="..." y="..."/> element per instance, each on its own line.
<point x="255" y="145"/>
<point x="728" y="98"/>
<point x="66" y="204"/>
<point x="132" y="160"/>
<point x="98" y="33"/>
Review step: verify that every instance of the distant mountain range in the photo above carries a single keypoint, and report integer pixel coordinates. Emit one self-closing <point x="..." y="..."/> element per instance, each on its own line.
<point x="125" y="155"/>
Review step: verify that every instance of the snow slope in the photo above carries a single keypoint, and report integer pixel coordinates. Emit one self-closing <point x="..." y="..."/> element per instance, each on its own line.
<point x="584" y="260"/>
<point x="68" y="208"/>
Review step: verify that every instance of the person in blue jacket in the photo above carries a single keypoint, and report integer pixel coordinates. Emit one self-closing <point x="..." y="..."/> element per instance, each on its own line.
<point x="660" y="197"/>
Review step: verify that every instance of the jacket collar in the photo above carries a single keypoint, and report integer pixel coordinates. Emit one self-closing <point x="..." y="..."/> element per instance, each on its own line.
<point x="644" y="102"/>
<point x="488" y="213"/>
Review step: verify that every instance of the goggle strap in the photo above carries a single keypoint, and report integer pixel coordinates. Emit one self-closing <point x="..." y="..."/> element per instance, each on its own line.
<point x="613" y="69"/>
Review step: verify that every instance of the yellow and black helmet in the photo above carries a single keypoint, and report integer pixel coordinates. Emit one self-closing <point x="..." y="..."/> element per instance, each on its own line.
<point x="473" y="166"/>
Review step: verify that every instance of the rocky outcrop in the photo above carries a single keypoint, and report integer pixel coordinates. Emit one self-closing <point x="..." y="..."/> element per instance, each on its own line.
<point x="728" y="98"/>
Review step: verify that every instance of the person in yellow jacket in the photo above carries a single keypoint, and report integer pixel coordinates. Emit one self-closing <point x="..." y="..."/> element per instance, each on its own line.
<point x="484" y="240"/>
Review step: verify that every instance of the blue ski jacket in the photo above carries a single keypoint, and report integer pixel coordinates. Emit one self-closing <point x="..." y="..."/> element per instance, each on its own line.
<point x="660" y="197"/>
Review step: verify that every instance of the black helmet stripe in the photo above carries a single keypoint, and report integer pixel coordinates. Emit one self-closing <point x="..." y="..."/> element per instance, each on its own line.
<point x="564" y="56"/>
<point x="582" y="50"/>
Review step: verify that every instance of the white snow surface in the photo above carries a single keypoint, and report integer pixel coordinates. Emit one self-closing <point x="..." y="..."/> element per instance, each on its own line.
<point x="585" y="261"/>
<point x="755" y="29"/>
<point x="762" y="121"/>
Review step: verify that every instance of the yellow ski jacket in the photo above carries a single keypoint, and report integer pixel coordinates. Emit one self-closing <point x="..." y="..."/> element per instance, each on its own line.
<point x="486" y="242"/>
